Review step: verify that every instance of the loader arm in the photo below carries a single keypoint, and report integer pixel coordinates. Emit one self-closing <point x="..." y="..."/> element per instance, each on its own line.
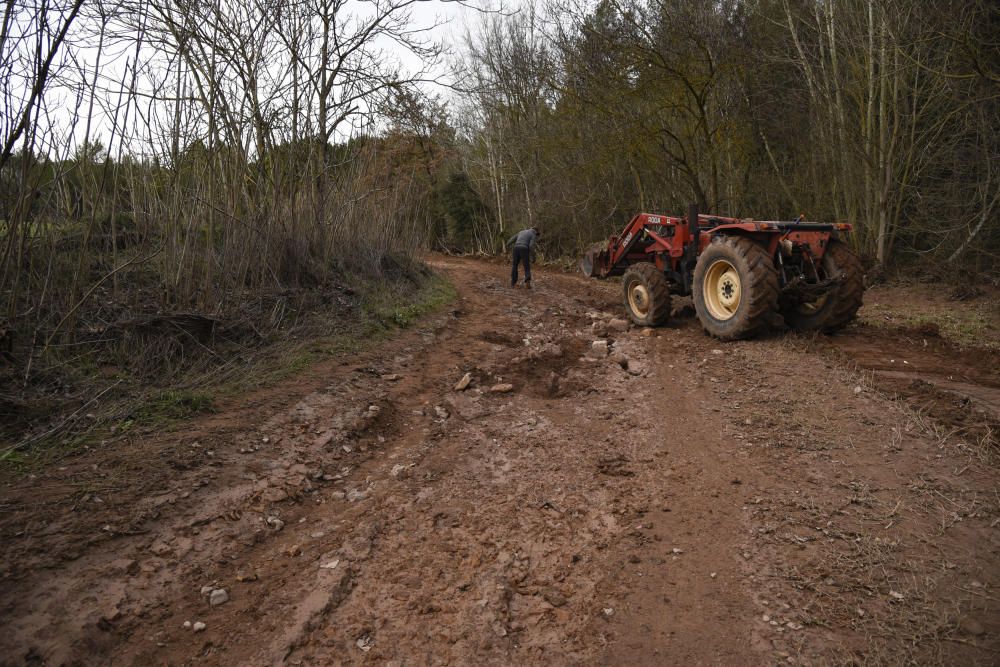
<point x="645" y="238"/>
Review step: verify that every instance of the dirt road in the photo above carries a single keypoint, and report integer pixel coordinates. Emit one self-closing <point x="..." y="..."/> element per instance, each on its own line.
<point x="678" y="501"/>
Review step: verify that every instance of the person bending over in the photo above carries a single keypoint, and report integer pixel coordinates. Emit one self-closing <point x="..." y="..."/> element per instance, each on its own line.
<point x="524" y="247"/>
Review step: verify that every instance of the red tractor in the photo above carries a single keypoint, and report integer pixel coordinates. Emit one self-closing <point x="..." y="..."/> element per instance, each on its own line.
<point x="741" y="274"/>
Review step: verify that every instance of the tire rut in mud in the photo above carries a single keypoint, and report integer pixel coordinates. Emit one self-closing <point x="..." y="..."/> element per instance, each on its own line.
<point x="959" y="389"/>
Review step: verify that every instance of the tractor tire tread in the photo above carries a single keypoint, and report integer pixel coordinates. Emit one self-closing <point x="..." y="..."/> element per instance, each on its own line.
<point x="659" y="292"/>
<point x="850" y="295"/>
<point x="842" y="303"/>
<point x="762" y="289"/>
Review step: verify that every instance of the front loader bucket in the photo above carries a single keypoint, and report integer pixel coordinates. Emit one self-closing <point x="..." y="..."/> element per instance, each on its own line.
<point x="591" y="263"/>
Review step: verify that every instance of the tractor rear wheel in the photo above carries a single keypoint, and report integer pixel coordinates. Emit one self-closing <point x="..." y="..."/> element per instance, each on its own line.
<point x="835" y="309"/>
<point x="647" y="294"/>
<point x="735" y="288"/>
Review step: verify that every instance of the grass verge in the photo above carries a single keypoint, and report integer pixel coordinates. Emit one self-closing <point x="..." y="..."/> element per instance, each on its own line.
<point x="384" y="309"/>
<point x="133" y="407"/>
<point x="968" y="323"/>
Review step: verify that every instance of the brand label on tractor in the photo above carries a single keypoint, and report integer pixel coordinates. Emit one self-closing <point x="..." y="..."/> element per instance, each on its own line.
<point x="628" y="237"/>
<point x="654" y="220"/>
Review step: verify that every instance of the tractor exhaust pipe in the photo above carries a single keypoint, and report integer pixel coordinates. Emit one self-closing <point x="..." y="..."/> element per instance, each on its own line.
<point x="691" y="252"/>
<point x="693" y="228"/>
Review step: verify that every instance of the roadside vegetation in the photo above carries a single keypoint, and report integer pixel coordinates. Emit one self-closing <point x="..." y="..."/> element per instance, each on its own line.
<point x="135" y="402"/>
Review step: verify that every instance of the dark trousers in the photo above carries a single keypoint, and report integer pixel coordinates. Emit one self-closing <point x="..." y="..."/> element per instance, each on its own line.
<point x="523" y="256"/>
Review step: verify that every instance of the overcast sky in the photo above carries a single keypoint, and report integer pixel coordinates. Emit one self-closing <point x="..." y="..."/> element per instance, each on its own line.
<point x="454" y="19"/>
<point x="447" y="21"/>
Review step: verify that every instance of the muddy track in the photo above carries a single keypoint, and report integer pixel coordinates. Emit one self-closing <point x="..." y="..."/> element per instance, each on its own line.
<point x="679" y="501"/>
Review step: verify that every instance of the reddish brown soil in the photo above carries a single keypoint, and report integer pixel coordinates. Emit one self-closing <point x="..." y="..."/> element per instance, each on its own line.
<point x="787" y="499"/>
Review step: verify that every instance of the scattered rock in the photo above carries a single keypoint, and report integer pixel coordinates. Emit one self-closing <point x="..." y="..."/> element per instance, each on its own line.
<point x="294" y="550"/>
<point x="618" y="324"/>
<point x="207" y="590"/>
<point x="554" y="598"/>
<point x="896" y="596"/>
<point x="502" y="388"/>
<point x="397" y="470"/>
<point x="274" y="495"/>
<point x="765" y="618"/>
<point x="187" y="625"/>
<point x="198" y="626"/>
<point x="391" y="377"/>
<point x="464" y="383"/>
<point x="857" y="390"/>
<point x="599" y="349"/>
<point x="218" y="596"/>
<point x="608" y="611"/>
<point x="621" y="359"/>
<point x="552" y="350"/>
<point x="717" y="351"/>
<point x="246" y="576"/>
<point x="441" y="412"/>
<point x="274" y="522"/>
<point x="330" y="565"/>
<point x="647" y="333"/>
<point x="354" y="495"/>
<point x="635" y="368"/>
<point x="324" y="439"/>
<point x="365" y="643"/>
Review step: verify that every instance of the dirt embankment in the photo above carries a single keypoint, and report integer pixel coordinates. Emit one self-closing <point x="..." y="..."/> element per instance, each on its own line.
<point x="674" y="501"/>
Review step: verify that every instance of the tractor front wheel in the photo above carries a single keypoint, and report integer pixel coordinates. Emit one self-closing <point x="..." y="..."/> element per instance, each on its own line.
<point x="735" y="288"/>
<point x="647" y="294"/>
<point x="835" y="309"/>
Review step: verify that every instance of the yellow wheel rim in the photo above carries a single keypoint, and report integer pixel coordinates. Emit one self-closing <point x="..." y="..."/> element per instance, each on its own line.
<point x="722" y="290"/>
<point x="638" y="299"/>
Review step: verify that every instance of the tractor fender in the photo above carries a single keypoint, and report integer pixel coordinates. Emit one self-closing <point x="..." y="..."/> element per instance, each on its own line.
<point x="767" y="240"/>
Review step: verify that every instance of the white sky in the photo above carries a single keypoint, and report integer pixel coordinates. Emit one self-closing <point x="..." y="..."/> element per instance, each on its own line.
<point x="451" y="21"/>
<point x="455" y="19"/>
